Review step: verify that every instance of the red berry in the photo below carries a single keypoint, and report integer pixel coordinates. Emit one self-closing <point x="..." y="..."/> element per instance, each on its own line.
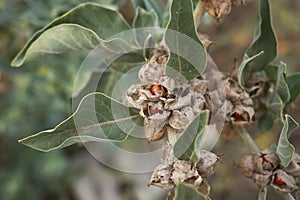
<point x="279" y="181"/>
<point x="155" y="89"/>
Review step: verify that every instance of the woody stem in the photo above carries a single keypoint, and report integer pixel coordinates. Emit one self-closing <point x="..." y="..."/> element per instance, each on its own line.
<point x="247" y="139"/>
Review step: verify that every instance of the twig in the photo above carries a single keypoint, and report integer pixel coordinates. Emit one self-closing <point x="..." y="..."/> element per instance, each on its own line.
<point x="247" y="139"/>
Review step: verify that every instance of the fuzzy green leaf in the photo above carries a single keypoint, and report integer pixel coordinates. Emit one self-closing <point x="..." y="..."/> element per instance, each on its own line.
<point x="146" y="24"/>
<point x="187" y="147"/>
<point x="144" y="18"/>
<point x="293" y="82"/>
<point x="94" y="120"/>
<point x="187" y="54"/>
<point x="62" y="38"/>
<point x="264" y="39"/>
<point x="281" y="87"/>
<point x="186" y="191"/>
<point x="285" y="149"/>
<point x="244" y="72"/>
<point x="104" y="21"/>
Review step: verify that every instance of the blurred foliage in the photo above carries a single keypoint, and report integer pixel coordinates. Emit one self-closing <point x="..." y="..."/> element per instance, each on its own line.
<point x="32" y="98"/>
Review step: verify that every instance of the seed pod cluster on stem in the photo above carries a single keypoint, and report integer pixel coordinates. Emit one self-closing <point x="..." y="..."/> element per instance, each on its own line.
<point x="264" y="169"/>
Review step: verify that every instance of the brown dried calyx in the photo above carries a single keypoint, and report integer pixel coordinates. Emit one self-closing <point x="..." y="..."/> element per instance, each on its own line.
<point x="220" y="8"/>
<point x="173" y="171"/>
<point x="264" y="169"/>
<point x="163" y="101"/>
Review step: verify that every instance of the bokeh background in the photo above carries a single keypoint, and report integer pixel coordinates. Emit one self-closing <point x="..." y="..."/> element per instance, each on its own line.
<point x="37" y="96"/>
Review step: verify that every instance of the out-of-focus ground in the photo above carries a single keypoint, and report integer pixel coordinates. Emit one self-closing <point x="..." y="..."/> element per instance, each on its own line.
<point x="37" y="97"/>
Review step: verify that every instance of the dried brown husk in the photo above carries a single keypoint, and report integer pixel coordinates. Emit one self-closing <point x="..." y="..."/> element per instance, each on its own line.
<point x="265" y="161"/>
<point x="289" y="182"/>
<point x="161" y="177"/>
<point x="217" y="8"/>
<point x="246" y="165"/>
<point x="207" y="163"/>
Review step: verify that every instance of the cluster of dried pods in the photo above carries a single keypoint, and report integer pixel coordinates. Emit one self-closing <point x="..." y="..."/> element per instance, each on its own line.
<point x="165" y="103"/>
<point x="264" y="169"/>
<point x="220" y="8"/>
<point x="173" y="171"/>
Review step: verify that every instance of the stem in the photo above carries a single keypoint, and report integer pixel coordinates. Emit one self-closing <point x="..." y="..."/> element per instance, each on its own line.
<point x="198" y="13"/>
<point x="287" y="196"/>
<point x="247" y="139"/>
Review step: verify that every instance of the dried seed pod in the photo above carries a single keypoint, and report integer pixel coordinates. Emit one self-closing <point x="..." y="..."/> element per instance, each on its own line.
<point x="135" y="98"/>
<point x="265" y="160"/>
<point x="154" y="125"/>
<point x="232" y="90"/>
<point x="204" y="187"/>
<point x="294" y="167"/>
<point x="207" y="163"/>
<point x="183" y="170"/>
<point x="262" y="179"/>
<point x="183" y="97"/>
<point x="283" y="182"/>
<point x="217" y="8"/>
<point x="198" y="102"/>
<point x="180" y="119"/>
<point x="242" y="115"/>
<point x="150" y="73"/>
<point x="246" y="165"/>
<point x="199" y="85"/>
<point x="161" y="177"/>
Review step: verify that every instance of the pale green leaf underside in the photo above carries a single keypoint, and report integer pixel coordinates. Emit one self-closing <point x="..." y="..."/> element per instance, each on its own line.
<point x="281" y="87"/>
<point x="285" y="149"/>
<point x="185" y="191"/>
<point x="264" y="39"/>
<point x="244" y="72"/>
<point x="146" y="23"/>
<point x="104" y="21"/>
<point x="62" y="38"/>
<point x="187" y="147"/>
<point x="92" y="121"/>
<point x="187" y="54"/>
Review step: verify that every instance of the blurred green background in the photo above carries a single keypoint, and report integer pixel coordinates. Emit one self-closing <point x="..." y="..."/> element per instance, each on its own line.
<point x="37" y="96"/>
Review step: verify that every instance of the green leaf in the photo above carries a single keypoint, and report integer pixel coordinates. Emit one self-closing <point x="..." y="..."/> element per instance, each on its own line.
<point x="244" y="72"/>
<point x="187" y="54"/>
<point x="186" y="191"/>
<point x="293" y="82"/>
<point x="262" y="195"/>
<point x="281" y="87"/>
<point x="94" y="120"/>
<point x="187" y="147"/>
<point x="104" y="21"/>
<point x="146" y="23"/>
<point x="264" y="39"/>
<point x="271" y="73"/>
<point x="149" y="5"/>
<point x="144" y="18"/>
<point x="266" y="121"/>
<point x="285" y="149"/>
<point x="62" y="38"/>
